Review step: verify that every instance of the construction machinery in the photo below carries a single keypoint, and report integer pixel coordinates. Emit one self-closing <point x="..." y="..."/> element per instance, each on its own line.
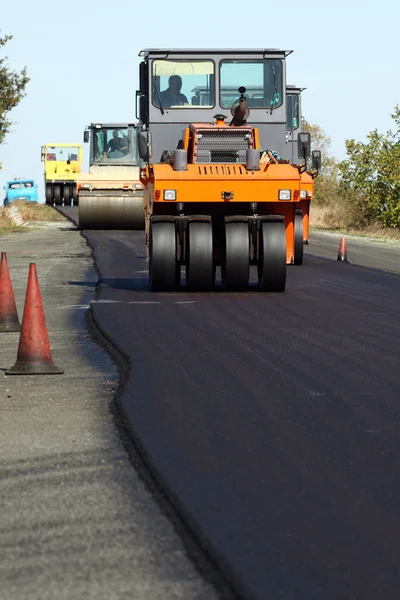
<point x="294" y="121"/>
<point x="215" y="193"/>
<point x="294" y="134"/>
<point x="111" y="195"/>
<point x="62" y="165"/>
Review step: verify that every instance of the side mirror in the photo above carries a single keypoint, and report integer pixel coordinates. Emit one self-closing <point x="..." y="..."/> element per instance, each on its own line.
<point x="316" y="160"/>
<point x="304" y="146"/>
<point x="85" y="137"/>
<point x="144" y="145"/>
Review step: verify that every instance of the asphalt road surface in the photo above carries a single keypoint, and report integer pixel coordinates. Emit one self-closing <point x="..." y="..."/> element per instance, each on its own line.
<point x="273" y="420"/>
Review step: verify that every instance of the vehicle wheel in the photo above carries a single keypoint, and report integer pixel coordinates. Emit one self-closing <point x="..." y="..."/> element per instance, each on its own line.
<point x="75" y="195"/>
<point x="272" y="257"/>
<point x="164" y="271"/>
<point x="298" y="237"/>
<point x="236" y="265"/>
<point x="67" y="195"/>
<point x="49" y="195"/>
<point x="199" y="264"/>
<point x="57" y="195"/>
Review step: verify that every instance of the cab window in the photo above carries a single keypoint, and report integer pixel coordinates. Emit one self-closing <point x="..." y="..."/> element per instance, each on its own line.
<point x="177" y="84"/>
<point x="261" y="78"/>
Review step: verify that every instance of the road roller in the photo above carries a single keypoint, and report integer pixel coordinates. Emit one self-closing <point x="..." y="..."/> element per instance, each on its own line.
<point x="294" y="128"/>
<point x="62" y="165"/>
<point x="110" y="195"/>
<point x="217" y="193"/>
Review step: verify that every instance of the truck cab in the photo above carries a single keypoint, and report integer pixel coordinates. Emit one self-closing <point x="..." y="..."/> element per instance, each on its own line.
<point x="20" y="189"/>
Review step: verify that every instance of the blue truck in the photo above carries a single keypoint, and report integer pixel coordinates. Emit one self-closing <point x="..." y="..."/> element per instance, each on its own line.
<point x="21" y="189"/>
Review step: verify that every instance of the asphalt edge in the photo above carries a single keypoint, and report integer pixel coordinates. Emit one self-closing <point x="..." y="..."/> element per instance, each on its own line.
<point x="194" y="543"/>
<point x="199" y="549"/>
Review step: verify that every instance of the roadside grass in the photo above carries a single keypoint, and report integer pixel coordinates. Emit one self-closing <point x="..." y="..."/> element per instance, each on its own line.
<point x="6" y="223"/>
<point x="340" y="217"/>
<point x="29" y="211"/>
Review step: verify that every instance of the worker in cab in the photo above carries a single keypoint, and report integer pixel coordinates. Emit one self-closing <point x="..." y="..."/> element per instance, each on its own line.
<point x="172" y="95"/>
<point x="116" y="144"/>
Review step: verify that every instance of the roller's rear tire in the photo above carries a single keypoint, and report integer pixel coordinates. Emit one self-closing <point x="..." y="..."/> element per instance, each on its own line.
<point x="272" y="257"/>
<point x="163" y="265"/>
<point x="199" y="263"/>
<point x="236" y="265"/>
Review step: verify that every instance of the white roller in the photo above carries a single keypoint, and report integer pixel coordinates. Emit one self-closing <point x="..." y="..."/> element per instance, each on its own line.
<point x="111" y="212"/>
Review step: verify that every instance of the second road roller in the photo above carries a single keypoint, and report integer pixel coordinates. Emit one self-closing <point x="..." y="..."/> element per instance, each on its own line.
<point x="110" y="195"/>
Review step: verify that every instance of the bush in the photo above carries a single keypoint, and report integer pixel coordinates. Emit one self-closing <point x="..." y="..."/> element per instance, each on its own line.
<point x="371" y="174"/>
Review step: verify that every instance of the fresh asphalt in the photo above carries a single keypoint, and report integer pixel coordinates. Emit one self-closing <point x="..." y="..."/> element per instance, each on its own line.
<point x="272" y="421"/>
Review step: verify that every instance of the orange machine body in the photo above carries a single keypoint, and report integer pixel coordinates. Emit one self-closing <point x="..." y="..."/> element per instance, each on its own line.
<point x="223" y="184"/>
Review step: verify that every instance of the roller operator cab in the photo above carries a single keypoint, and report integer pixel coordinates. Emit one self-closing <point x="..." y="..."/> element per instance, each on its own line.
<point x="111" y="194"/>
<point x="294" y="128"/>
<point x="216" y="192"/>
<point x="62" y="165"/>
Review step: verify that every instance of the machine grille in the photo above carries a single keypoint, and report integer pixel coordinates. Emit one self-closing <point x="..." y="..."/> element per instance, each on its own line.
<point x="223" y="145"/>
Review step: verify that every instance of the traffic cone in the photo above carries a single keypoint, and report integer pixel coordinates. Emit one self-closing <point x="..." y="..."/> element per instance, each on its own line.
<point x="34" y="354"/>
<point x="8" y="309"/>
<point x="342" y="254"/>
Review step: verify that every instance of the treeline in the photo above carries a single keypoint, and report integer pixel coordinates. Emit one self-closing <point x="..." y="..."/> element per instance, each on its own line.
<point x="363" y="189"/>
<point x="12" y="89"/>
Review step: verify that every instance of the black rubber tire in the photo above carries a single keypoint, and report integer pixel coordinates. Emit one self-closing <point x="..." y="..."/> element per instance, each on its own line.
<point x="57" y="195"/>
<point x="67" y="195"/>
<point x="163" y="266"/>
<point x="236" y="265"/>
<point x="75" y="195"/>
<point x="272" y="257"/>
<point x="49" y="195"/>
<point x="200" y="271"/>
<point x="298" y="238"/>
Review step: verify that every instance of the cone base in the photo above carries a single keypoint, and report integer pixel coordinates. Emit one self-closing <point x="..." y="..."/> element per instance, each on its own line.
<point x="342" y="258"/>
<point x="10" y="326"/>
<point x="34" y="368"/>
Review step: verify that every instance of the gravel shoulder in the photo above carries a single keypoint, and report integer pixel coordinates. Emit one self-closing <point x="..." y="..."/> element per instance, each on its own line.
<point x="77" y="521"/>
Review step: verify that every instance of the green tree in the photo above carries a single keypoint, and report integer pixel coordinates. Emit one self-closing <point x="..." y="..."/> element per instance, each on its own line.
<point x="372" y="173"/>
<point x="327" y="182"/>
<point x="12" y="90"/>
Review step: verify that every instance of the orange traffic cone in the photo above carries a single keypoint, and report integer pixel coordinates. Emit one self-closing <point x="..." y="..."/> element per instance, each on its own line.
<point x="34" y="355"/>
<point x="342" y="254"/>
<point x="8" y="310"/>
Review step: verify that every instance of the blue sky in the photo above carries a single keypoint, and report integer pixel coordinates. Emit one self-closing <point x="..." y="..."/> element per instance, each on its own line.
<point x="82" y="58"/>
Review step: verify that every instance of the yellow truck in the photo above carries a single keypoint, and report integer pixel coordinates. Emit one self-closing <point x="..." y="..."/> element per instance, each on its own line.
<point x="62" y="165"/>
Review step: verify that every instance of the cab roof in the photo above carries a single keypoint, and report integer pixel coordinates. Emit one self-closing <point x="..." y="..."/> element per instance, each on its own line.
<point x="112" y="125"/>
<point x="294" y="88"/>
<point x="212" y="51"/>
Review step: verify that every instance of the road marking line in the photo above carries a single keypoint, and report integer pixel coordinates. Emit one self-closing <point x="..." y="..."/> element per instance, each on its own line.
<point x="186" y="302"/>
<point x="143" y="302"/>
<point x="80" y="306"/>
<point x="105" y="301"/>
